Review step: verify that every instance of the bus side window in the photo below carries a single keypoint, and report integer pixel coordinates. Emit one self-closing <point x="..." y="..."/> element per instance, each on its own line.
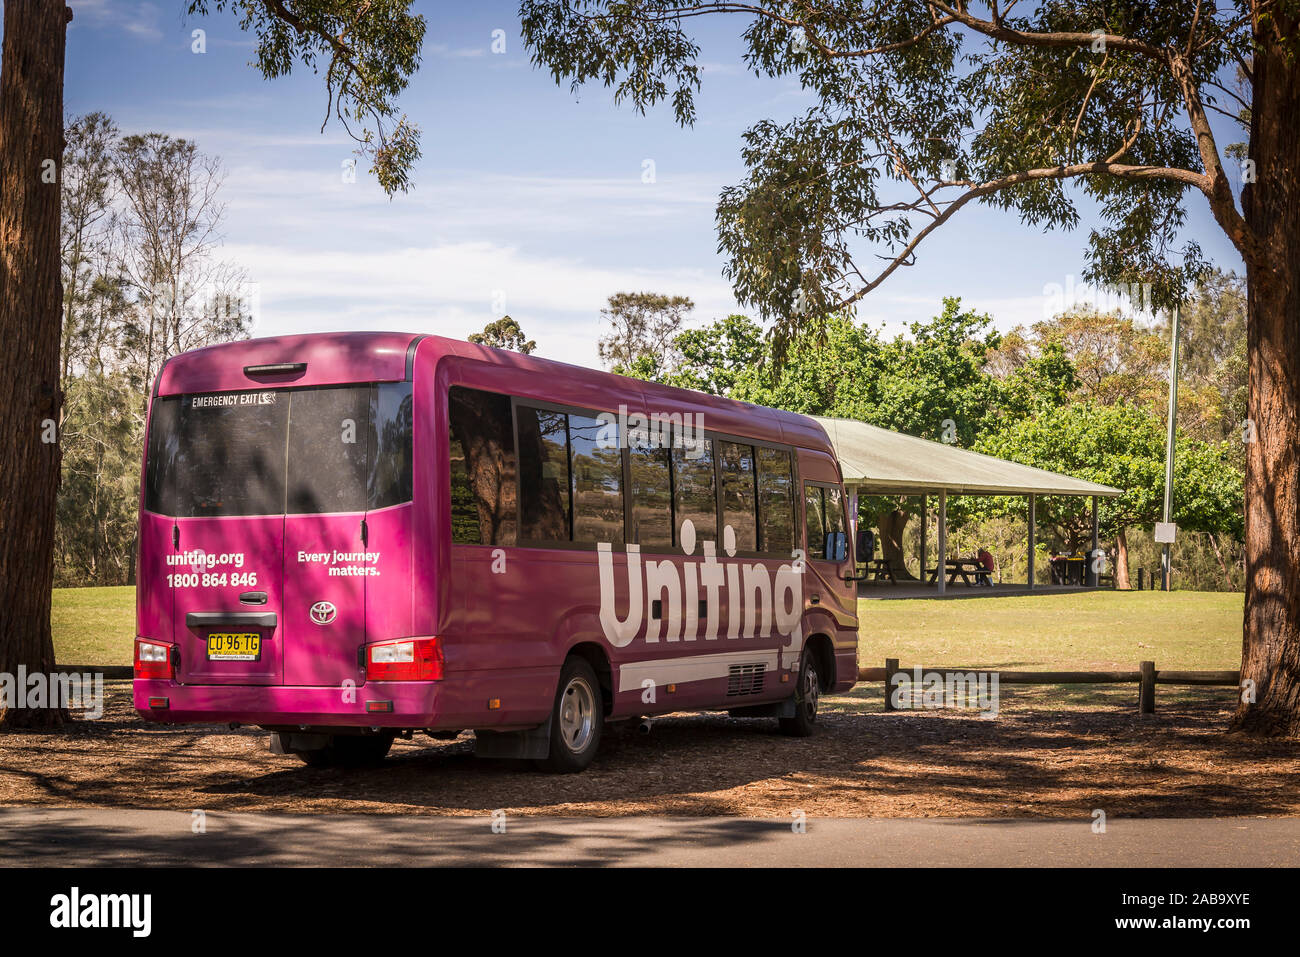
<point x="651" y="492"/>
<point x="597" y="481"/>
<point x="813" y="514"/>
<point x="482" y="458"/>
<point x="164" y="449"/>
<point x="543" y="475"/>
<point x="694" y="496"/>
<point x="836" y="549"/>
<point x="739" y="493"/>
<point x="775" y="501"/>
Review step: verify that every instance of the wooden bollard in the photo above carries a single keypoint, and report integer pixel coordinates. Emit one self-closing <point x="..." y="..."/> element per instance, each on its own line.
<point x="1147" y="688"/>
<point x="891" y="667"/>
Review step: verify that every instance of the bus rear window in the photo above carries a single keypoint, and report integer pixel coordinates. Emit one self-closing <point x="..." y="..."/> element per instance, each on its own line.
<point x="300" y="451"/>
<point x="329" y="450"/>
<point x="217" y="454"/>
<point x="392" y="421"/>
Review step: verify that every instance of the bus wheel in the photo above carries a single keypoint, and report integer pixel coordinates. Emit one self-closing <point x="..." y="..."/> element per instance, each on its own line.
<point x="576" y="719"/>
<point x="806" y="693"/>
<point x="349" y="751"/>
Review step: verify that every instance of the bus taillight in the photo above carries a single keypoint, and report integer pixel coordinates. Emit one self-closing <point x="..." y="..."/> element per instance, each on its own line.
<point x="410" y="659"/>
<point x="153" y="660"/>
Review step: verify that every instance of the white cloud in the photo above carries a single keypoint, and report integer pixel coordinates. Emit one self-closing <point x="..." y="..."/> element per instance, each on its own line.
<point x="458" y="204"/>
<point x="140" y="20"/>
<point x="443" y="50"/>
<point x="451" y="289"/>
<point x="894" y="313"/>
<point x="1007" y="311"/>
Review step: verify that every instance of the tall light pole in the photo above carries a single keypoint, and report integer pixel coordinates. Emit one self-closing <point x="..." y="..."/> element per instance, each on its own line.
<point x="1169" y="446"/>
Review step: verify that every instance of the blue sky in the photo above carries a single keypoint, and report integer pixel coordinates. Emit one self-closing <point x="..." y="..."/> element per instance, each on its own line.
<point x="528" y="198"/>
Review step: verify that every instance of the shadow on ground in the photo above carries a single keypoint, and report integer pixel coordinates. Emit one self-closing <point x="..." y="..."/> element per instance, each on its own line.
<point x="1037" y="758"/>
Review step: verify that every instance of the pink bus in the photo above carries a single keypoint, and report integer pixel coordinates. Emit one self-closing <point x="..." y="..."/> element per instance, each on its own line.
<point x="349" y="537"/>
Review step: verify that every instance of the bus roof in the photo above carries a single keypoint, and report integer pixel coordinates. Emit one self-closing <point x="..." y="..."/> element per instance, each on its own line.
<point x="326" y="358"/>
<point x="330" y="358"/>
<point x="562" y="383"/>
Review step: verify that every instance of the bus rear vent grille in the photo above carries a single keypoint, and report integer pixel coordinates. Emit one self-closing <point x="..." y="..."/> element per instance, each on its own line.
<point x="745" y="679"/>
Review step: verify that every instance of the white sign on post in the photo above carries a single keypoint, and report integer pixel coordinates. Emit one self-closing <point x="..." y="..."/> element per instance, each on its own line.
<point x="1165" y="532"/>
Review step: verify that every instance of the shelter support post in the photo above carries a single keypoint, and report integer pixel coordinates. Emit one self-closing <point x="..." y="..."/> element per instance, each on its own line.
<point x="942" y="575"/>
<point x="925" y="527"/>
<point x="1093" y="555"/>
<point x="1033" y="520"/>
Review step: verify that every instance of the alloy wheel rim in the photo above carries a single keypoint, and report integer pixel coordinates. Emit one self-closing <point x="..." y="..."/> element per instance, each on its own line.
<point x="810" y="692"/>
<point x="577" y="714"/>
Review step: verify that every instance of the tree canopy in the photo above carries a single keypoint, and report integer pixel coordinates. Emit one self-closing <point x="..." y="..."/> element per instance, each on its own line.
<point x="641" y="330"/>
<point x="925" y="106"/>
<point x="1121" y="445"/>
<point x="1081" y="394"/>
<point x="368" y="52"/>
<point x="504" y="333"/>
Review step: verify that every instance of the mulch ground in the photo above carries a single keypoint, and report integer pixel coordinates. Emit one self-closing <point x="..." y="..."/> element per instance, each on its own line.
<point x="1030" y="761"/>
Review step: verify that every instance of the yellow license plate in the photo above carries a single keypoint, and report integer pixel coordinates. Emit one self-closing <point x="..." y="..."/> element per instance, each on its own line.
<point x="241" y="646"/>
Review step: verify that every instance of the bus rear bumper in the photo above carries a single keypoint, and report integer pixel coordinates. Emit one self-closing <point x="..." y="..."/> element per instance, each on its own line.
<point x="375" y="704"/>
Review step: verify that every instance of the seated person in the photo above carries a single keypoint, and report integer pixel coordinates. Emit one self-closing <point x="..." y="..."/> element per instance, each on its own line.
<point x="985" y="577"/>
<point x="1056" y="562"/>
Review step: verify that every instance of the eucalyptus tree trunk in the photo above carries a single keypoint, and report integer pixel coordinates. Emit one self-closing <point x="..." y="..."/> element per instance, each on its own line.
<point x="31" y="154"/>
<point x="891" y="525"/>
<point x="1271" y="643"/>
<point x="1122" y="581"/>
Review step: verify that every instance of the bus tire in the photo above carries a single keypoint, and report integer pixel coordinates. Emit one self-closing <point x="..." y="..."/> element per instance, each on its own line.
<point x="576" y="719"/>
<point x="806" y="694"/>
<point x="349" y="751"/>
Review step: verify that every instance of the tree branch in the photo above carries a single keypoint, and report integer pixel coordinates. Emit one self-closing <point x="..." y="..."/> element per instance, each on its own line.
<point x="1217" y="189"/>
<point x="1105" y="167"/>
<point x="997" y="31"/>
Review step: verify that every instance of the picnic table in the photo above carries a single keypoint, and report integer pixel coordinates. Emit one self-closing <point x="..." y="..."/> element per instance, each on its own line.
<point x="878" y="569"/>
<point x="1067" y="570"/>
<point x="964" y="567"/>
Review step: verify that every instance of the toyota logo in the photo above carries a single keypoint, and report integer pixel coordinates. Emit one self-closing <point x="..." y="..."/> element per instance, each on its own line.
<point x="323" y="612"/>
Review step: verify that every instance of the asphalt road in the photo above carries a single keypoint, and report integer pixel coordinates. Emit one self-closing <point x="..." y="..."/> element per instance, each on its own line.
<point x="113" y="837"/>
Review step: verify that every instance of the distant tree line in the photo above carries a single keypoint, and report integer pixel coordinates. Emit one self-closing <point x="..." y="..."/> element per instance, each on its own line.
<point x="141" y="282"/>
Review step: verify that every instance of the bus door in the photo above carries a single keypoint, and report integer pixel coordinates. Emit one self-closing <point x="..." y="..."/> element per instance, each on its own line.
<point x="326" y="461"/>
<point x="829" y="554"/>
<point x="215" y="486"/>
<point x="389" y="579"/>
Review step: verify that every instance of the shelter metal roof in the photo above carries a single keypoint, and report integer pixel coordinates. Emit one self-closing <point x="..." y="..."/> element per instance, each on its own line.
<point x="877" y="459"/>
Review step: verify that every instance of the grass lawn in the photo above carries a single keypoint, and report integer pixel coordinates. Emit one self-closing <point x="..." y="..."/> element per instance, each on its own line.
<point x="1089" y="631"/>
<point x="1105" y="630"/>
<point x="94" y="626"/>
